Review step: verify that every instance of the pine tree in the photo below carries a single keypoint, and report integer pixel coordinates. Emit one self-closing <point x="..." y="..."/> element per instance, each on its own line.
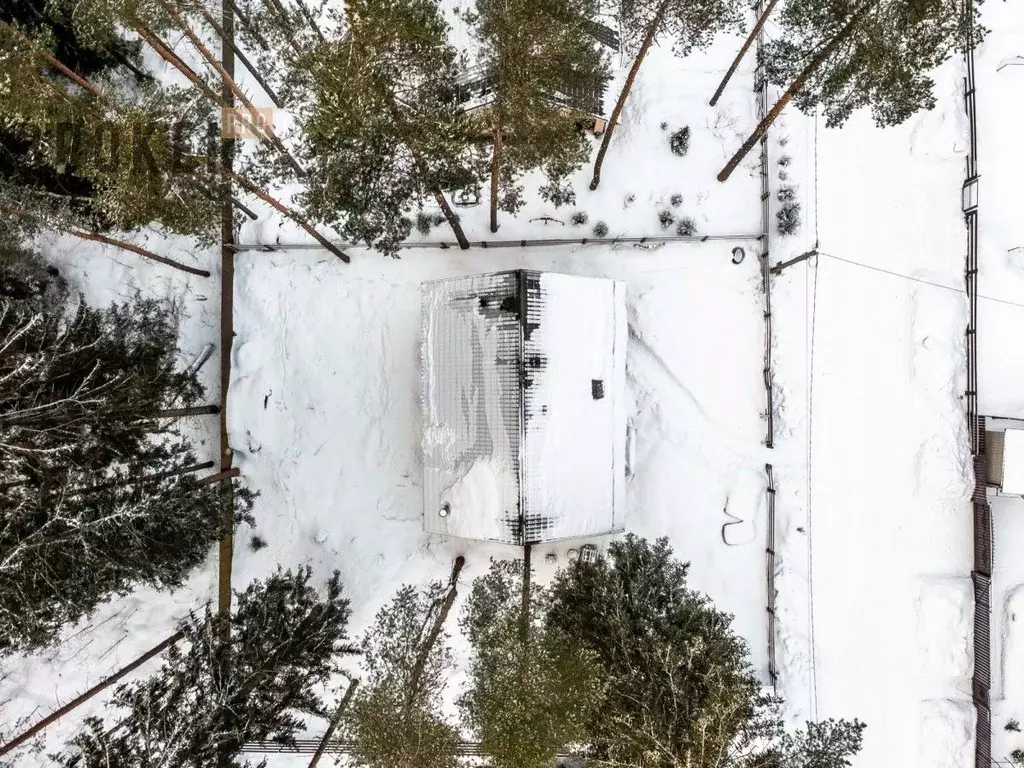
<point x="530" y="694"/>
<point x="692" y="25"/>
<point x="93" y="482"/>
<point x="843" y="55"/>
<point x="210" y="698"/>
<point x="542" y="63"/>
<point x="384" y="131"/>
<point x="702" y="705"/>
<point x="395" y="719"/>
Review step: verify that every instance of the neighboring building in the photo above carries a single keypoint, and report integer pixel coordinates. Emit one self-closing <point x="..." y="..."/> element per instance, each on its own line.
<point x="524" y="406"/>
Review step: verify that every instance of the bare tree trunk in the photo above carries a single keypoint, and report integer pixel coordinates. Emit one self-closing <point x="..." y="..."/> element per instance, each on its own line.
<point x="746" y="44"/>
<point x="306" y="226"/>
<point x="444" y="608"/>
<point x="525" y="607"/>
<point x="116" y="243"/>
<point x="60" y="66"/>
<point x="645" y="46"/>
<point x="141" y="478"/>
<point x="226" y="40"/>
<point x="452" y="218"/>
<point x="193" y="77"/>
<point x="220" y="477"/>
<point x="268" y="130"/>
<point x="793" y="89"/>
<point x="195" y="410"/>
<point x="332" y="726"/>
<point x="495" y="173"/>
<point x="100" y="686"/>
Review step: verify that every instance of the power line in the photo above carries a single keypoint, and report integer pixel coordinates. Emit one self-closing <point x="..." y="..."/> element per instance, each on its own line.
<point x="952" y="288"/>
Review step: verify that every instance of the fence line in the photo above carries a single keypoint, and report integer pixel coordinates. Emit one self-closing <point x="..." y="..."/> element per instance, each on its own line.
<point x="981" y="575"/>
<point x="761" y="86"/>
<point x="485" y="244"/>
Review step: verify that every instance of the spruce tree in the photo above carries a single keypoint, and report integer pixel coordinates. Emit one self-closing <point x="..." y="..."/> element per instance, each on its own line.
<point x="692" y="25"/>
<point x="382" y="128"/>
<point x="395" y="718"/>
<point x="541" y="62"/>
<point x="844" y="55"/>
<point x="211" y="697"/>
<point x="702" y="705"/>
<point x="531" y="694"/>
<point x="94" y="483"/>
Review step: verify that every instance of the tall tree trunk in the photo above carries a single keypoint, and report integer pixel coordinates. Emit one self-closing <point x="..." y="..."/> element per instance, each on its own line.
<point x="100" y="686"/>
<point x="306" y="226"/>
<point x="452" y="218"/>
<point x="645" y="46"/>
<point x="226" y="40"/>
<point x="444" y="608"/>
<point x="97" y="238"/>
<point x="495" y="173"/>
<point x="193" y="77"/>
<point x="524" y="627"/>
<point x="195" y="410"/>
<point x="229" y="80"/>
<point x="435" y="190"/>
<point x="141" y="478"/>
<point x="746" y="44"/>
<point x="332" y="726"/>
<point x="793" y="89"/>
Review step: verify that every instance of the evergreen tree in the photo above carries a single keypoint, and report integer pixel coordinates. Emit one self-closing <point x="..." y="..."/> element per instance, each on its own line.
<point x="702" y="705"/>
<point x="383" y="131"/>
<point x="395" y="719"/>
<point x="843" y="55"/>
<point x="692" y="24"/>
<point x="94" y="485"/>
<point x="210" y="697"/>
<point x="531" y="694"/>
<point x="541" y="62"/>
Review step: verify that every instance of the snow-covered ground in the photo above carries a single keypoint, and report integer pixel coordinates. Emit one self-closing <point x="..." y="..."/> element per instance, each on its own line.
<point x="872" y="463"/>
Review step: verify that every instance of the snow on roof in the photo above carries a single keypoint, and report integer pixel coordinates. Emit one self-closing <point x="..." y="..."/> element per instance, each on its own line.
<point x="523" y="395"/>
<point x="1013" y="462"/>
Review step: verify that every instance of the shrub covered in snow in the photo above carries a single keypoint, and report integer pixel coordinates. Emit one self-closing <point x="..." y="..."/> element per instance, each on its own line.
<point x="558" y="193"/>
<point x="679" y="141"/>
<point x="788" y="216"/>
<point x="676" y="200"/>
<point x="424" y="222"/>
<point x="687" y="227"/>
<point x="628" y="200"/>
<point x="600" y="229"/>
<point x="666" y="218"/>
<point x="579" y="218"/>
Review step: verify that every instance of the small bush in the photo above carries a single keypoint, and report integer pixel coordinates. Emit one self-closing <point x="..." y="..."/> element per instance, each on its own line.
<point x="786" y="194"/>
<point x="628" y="200"/>
<point x="665" y="218"/>
<point x="663" y="125"/>
<point x="438" y="219"/>
<point x="676" y="200"/>
<point x="1013" y="724"/>
<point x="579" y="218"/>
<point x="256" y="543"/>
<point x="679" y="141"/>
<point x="783" y="141"/>
<point x="1017" y="756"/>
<point x="783" y="176"/>
<point x="784" y="160"/>
<point x="788" y="219"/>
<point x="600" y="229"/>
<point x="558" y="193"/>
<point x="424" y="221"/>
<point x="687" y="227"/>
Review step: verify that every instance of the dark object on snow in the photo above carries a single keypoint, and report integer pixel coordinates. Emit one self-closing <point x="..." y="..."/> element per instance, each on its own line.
<point x="676" y="200"/>
<point x="737" y="255"/>
<point x="579" y="218"/>
<point x="600" y="229"/>
<point x="679" y="141"/>
<point x="687" y="227"/>
<point x="597" y="388"/>
<point x="665" y="218"/>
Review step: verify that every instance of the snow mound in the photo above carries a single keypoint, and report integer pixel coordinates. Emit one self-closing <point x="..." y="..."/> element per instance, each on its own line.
<point x="945" y="610"/>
